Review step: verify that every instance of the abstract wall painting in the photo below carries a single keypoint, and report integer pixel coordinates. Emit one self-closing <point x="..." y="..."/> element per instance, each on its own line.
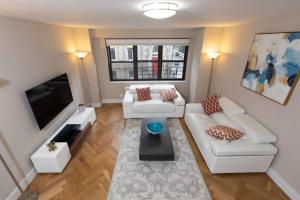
<point x="273" y="65"/>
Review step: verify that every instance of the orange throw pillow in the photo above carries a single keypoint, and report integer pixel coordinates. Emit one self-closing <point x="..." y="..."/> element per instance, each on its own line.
<point x="224" y="132"/>
<point x="211" y="105"/>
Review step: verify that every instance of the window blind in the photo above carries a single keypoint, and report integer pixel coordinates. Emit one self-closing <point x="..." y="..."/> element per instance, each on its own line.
<point x="114" y="42"/>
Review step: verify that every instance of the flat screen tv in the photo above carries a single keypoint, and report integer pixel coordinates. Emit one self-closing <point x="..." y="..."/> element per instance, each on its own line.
<point x="48" y="99"/>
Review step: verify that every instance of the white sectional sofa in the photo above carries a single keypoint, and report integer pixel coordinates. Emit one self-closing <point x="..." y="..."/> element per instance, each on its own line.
<point x="253" y="152"/>
<point x="153" y="108"/>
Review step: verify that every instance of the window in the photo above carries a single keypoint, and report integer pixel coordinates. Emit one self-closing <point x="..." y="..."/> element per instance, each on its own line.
<point x="173" y="62"/>
<point x="147" y="62"/>
<point x="147" y="59"/>
<point x="121" y="62"/>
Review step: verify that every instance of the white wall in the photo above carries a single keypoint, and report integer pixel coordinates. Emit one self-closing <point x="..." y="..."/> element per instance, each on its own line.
<point x="31" y="53"/>
<point x="283" y="121"/>
<point x="208" y="40"/>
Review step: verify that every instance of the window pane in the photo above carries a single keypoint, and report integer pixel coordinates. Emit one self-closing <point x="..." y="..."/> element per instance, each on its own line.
<point x="172" y="70"/>
<point x="147" y="70"/>
<point x="121" y="53"/>
<point x="147" y="52"/>
<point x="122" y="71"/>
<point x="173" y="52"/>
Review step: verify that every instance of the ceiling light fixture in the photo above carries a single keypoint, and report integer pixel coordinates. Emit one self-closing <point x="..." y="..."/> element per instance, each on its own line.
<point x="160" y="10"/>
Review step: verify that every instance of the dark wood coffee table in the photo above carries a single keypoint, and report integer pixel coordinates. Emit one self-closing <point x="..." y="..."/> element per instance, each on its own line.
<point x="156" y="147"/>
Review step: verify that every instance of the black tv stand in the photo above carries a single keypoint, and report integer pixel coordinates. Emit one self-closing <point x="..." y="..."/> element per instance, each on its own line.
<point x="72" y="134"/>
<point x="67" y="134"/>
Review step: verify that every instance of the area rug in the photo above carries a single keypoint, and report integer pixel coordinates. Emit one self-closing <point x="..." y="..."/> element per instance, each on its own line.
<point x="156" y="180"/>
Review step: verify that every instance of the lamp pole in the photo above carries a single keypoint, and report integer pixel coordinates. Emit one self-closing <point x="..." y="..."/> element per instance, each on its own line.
<point x="210" y="76"/>
<point x="81" y="55"/>
<point x="213" y="56"/>
<point x="86" y="81"/>
<point x="24" y="195"/>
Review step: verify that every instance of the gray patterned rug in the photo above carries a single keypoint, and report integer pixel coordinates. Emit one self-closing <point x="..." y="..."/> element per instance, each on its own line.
<point x="138" y="180"/>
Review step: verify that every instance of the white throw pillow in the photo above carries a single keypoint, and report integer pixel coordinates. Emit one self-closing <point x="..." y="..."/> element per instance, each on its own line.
<point x="229" y="107"/>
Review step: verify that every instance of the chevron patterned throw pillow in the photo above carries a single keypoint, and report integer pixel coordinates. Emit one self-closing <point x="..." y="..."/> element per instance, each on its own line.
<point x="168" y="95"/>
<point x="211" y="105"/>
<point x="224" y="132"/>
<point x="143" y="94"/>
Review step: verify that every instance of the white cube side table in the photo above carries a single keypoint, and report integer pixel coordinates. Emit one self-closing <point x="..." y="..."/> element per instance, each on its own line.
<point x="45" y="161"/>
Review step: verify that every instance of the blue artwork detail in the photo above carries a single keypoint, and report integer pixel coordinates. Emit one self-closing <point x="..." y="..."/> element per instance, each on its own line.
<point x="251" y="74"/>
<point x="270" y="58"/>
<point x="292" y="55"/>
<point x="270" y="72"/>
<point x="293" y="36"/>
<point x="291" y="68"/>
<point x="291" y="65"/>
<point x="263" y="76"/>
<point x="291" y="80"/>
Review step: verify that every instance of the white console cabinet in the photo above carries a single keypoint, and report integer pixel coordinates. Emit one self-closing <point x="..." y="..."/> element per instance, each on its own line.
<point x="51" y="162"/>
<point x="45" y="161"/>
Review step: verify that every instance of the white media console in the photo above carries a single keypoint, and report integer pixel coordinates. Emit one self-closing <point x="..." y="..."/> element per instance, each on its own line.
<point x="45" y="161"/>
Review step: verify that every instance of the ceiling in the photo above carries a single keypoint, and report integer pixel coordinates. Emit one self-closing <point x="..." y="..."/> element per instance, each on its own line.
<point x="128" y="13"/>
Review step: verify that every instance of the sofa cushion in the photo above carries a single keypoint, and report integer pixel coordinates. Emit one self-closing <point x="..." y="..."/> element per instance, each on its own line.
<point x="211" y="105"/>
<point x="168" y="95"/>
<point x="143" y="94"/>
<point x="194" y="108"/>
<point x="254" y="129"/>
<point x="153" y="106"/>
<point x="157" y="88"/>
<point x="198" y="123"/>
<point x="223" y="119"/>
<point x="229" y="107"/>
<point x="224" y="132"/>
<point x="241" y="147"/>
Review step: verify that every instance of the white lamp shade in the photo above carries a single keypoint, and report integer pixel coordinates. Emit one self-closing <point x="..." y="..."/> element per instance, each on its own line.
<point x="213" y="55"/>
<point x="81" y="54"/>
<point x="160" y="10"/>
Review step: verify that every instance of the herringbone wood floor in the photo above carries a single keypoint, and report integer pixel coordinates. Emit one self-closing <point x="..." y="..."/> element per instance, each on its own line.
<point x="88" y="174"/>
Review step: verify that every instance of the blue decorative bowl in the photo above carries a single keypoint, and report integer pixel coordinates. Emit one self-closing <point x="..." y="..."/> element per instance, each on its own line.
<point x="155" y="127"/>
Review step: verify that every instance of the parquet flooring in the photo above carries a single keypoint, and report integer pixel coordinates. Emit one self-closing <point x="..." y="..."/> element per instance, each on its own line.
<point x="88" y="174"/>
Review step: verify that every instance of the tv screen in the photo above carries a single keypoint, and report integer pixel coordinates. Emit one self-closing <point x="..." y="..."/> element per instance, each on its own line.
<point x="48" y="99"/>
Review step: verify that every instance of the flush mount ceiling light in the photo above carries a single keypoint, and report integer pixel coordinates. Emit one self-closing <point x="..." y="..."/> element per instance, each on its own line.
<point x="160" y="10"/>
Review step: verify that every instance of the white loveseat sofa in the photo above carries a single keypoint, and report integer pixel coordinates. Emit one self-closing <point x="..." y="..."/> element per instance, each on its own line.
<point x="253" y="152"/>
<point x="153" y="108"/>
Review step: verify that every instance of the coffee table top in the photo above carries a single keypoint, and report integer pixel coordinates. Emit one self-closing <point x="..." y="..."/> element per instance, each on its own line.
<point x="156" y="147"/>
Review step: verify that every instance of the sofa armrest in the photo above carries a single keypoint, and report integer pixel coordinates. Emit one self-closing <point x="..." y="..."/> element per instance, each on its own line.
<point x="194" y="108"/>
<point x="128" y="98"/>
<point x="179" y="101"/>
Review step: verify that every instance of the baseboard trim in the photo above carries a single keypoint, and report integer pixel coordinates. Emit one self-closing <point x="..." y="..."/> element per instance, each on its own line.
<point x="111" y="100"/>
<point x="287" y="188"/>
<point x="97" y="105"/>
<point x="15" y="194"/>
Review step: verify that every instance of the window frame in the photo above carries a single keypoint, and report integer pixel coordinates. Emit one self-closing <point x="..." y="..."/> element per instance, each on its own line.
<point x="160" y="62"/>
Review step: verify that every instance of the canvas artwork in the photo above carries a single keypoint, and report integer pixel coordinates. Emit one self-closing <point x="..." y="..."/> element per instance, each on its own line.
<point x="273" y="65"/>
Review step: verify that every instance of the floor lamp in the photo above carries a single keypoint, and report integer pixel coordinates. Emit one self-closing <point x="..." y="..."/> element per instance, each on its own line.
<point x="82" y="55"/>
<point x="24" y="195"/>
<point x="213" y="56"/>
